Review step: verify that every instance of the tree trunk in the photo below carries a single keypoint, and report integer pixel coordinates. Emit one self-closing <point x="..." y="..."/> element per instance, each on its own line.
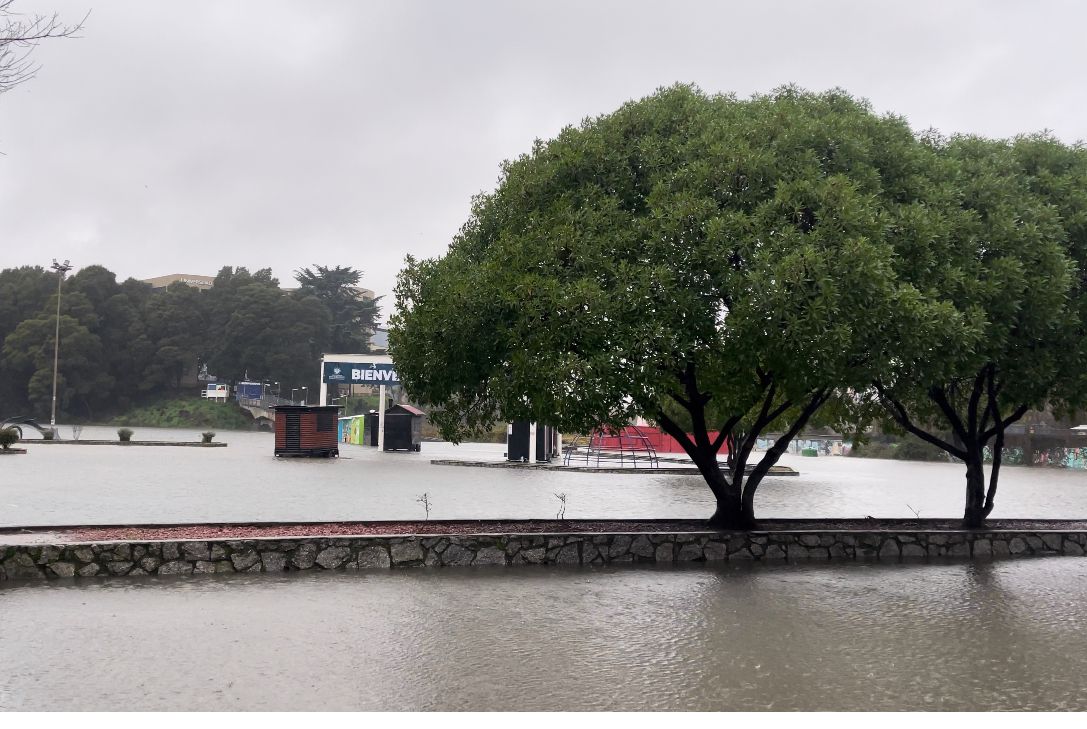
<point x="974" y="517"/>
<point x="730" y="512"/>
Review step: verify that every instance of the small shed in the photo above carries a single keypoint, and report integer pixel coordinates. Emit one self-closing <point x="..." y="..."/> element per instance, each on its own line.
<point x="306" y="430"/>
<point x="403" y="428"/>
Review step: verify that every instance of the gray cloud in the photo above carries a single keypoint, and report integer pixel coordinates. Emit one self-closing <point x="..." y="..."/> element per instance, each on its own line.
<point x="184" y="137"/>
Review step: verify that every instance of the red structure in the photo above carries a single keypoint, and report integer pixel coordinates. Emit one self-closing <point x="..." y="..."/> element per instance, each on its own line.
<point x="307" y="431"/>
<point x="661" y="441"/>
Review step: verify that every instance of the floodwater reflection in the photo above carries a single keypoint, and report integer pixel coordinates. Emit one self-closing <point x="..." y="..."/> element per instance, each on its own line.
<point x="1001" y="635"/>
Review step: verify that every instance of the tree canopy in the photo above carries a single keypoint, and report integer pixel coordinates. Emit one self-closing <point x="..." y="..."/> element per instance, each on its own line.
<point x="728" y="260"/>
<point x="999" y="269"/>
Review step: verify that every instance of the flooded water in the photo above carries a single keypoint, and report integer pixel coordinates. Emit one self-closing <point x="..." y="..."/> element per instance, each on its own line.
<point x="55" y="485"/>
<point x="1002" y="635"/>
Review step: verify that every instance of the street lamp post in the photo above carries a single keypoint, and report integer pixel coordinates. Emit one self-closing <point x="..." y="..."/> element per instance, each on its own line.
<point x="293" y="390"/>
<point x="305" y="395"/>
<point x="277" y="389"/>
<point x="61" y="269"/>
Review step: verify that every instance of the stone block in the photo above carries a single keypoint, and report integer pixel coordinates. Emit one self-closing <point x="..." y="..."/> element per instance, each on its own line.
<point x="149" y="564"/>
<point x="432" y="559"/>
<point x="530" y="556"/>
<point x="664" y="553"/>
<point x="589" y="552"/>
<point x="1000" y="548"/>
<point x="138" y="552"/>
<point x="83" y="554"/>
<point x="137" y="572"/>
<point x="641" y="546"/>
<point x="889" y="549"/>
<point x="332" y="557"/>
<point x="62" y="569"/>
<point x="244" y="559"/>
<point x="171" y="551"/>
<point x="305" y="555"/>
<point x="715" y="551"/>
<point x="809" y="540"/>
<point x="490" y="556"/>
<point x="959" y="550"/>
<point x="224" y="565"/>
<point x="457" y="556"/>
<point x="913" y="551"/>
<point x="1017" y="545"/>
<point x="1035" y="543"/>
<point x="1072" y="548"/>
<point x="89" y="570"/>
<point x="20" y="566"/>
<point x="620" y="545"/>
<point x="49" y="554"/>
<point x="273" y="561"/>
<point x="568" y="555"/>
<point x="218" y="552"/>
<point x="774" y="551"/>
<point x="196" y="550"/>
<point x="123" y="551"/>
<point x="203" y="567"/>
<point x="839" y="551"/>
<point x="375" y="557"/>
<point x="119" y="567"/>
<point x="176" y="567"/>
<point x="983" y="548"/>
<point x="1052" y="542"/>
<point x="690" y="552"/>
<point x="406" y="552"/>
<point x="756" y="549"/>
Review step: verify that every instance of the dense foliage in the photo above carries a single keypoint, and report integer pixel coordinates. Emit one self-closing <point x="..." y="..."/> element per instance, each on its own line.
<point x="123" y="344"/>
<point x="721" y="267"/>
<point x="730" y="267"/>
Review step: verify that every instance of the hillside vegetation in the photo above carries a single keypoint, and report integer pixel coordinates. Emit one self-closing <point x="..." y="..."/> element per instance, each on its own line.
<point x="188" y="413"/>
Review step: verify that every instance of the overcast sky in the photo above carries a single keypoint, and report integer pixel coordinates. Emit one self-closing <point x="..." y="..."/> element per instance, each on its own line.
<point x="181" y="137"/>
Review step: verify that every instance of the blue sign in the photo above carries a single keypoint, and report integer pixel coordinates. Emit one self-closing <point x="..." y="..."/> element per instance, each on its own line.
<point x="355" y="373"/>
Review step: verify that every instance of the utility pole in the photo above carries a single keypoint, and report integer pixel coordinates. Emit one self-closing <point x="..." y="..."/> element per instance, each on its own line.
<point x="61" y="269"/>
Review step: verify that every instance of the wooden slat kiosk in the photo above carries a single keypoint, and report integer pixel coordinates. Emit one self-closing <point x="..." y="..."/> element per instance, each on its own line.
<point x="306" y="431"/>
<point x="360" y="369"/>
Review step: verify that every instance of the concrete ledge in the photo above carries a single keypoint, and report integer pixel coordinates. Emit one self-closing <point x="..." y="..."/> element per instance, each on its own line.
<point x="179" y="443"/>
<point x="277" y="554"/>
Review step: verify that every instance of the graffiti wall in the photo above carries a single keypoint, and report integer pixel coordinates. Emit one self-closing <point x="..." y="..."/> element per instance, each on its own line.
<point x="1059" y="457"/>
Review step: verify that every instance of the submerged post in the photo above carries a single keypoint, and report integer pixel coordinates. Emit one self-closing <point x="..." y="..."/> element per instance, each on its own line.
<point x="381" y="418"/>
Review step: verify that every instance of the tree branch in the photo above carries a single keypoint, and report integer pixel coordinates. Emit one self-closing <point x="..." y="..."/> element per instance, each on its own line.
<point x="898" y="412"/>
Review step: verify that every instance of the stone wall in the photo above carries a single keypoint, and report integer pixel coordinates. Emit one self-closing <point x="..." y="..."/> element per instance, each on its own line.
<point x="21" y="562"/>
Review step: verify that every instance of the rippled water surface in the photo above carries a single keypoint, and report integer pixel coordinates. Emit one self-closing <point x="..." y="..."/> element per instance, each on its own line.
<point x="1003" y="635"/>
<point x="55" y="485"/>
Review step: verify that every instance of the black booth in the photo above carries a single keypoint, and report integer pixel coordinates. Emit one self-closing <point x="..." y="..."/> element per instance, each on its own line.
<point x="403" y="428"/>
<point x="522" y="446"/>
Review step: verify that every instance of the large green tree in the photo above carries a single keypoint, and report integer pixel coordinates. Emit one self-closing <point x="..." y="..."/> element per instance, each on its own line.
<point x="353" y="317"/>
<point x="998" y="268"/>
<point x="707" y="262"/>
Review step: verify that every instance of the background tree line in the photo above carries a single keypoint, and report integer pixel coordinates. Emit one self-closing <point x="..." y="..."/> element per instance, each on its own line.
<point x="123" y="344"/>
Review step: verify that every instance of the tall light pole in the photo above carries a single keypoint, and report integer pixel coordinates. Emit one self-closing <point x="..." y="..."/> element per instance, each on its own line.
<point x="305" y="394"/>
<point x="61" y="269"/>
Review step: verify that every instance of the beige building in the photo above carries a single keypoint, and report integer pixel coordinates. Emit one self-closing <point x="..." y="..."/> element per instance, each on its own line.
<point x="204" y="282"/>
<point x="189" y="279"/>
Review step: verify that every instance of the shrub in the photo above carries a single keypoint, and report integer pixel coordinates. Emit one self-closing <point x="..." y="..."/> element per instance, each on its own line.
<point x="8" y="437"/>
<point x="206" y="436"/>
<point x="125" y="434"/>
